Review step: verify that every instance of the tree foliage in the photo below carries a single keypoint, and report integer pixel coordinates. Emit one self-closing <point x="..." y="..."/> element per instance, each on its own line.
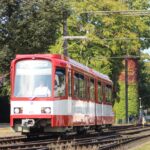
<point x="28" y="27"/>
<point x="133" y="103"/>
<point x="105" y="34"/>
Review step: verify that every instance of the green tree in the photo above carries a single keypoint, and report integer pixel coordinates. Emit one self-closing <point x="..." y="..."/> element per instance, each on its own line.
<point x="105" y="33"/>
<point x="27" y="27"/>
<point x="30" y="26"/>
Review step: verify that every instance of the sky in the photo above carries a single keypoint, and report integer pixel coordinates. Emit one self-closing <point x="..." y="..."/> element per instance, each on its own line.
<point x="147" y="51"/>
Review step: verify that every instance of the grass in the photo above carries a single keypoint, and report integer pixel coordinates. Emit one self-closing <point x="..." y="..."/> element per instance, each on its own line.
<point x="145" y="146"/>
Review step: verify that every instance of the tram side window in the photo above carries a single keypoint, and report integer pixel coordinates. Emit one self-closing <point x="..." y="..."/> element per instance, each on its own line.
<point x="86" y="88"/>
<point x="82" y="87"/>
<point x="92" y="89"/>
<point x="103" y="91"/>
<point x="99" y="91"/>
<point x="69" y="83"/>
<point x="108" y="93"/>
<point x="76" y="85"/>
<point x="79" y="86"/>
<point x="60" y="82"/>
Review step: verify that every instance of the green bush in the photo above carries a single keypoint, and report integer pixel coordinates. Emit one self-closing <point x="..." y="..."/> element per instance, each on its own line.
<point x="133" y="104"/>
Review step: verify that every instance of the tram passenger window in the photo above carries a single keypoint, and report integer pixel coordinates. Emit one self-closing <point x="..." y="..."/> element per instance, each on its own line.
<point x="86" y="89"/>
<point x="108" y="93"/>
<point x="79" y="86"/>
<point x="92" y="89"/>
<point x="103" y="91"/>
<point x="99" y="91"/>
<point x="76" y="85"/>
<point x="60" y="82"/>
<point x="69" y="83"/>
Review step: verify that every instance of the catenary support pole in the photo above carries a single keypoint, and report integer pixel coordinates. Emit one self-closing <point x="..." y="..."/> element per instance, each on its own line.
<point x="65" y="33"/>
<point x="126" y="88"/>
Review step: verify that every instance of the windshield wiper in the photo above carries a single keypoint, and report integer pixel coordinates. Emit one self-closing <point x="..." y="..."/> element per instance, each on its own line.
<point x="33" y="98"/>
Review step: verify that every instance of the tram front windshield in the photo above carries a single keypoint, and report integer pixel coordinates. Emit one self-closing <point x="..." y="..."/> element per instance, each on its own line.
<point x="33" y="78"/>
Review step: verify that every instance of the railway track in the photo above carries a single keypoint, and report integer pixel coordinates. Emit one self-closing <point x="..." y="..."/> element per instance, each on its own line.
<point x="91" y="141"/>
<point x="55" y="143"/>
<point x="12" y="139"/>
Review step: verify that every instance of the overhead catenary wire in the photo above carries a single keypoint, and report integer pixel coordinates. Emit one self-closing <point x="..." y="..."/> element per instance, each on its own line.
<point x="121" y="12"/>
<point x="122" y="57"/>
<point x="77" y="41"/>
<point x="107" y="39"/>
<point x="112" y="12"/>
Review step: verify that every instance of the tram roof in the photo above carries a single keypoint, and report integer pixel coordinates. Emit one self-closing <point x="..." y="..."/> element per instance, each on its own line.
<point x="75" y="63"/>
<point x="62" y="57"/>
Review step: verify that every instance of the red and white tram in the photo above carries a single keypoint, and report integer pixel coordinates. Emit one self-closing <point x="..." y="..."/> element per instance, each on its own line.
<point x="52" y="93"/>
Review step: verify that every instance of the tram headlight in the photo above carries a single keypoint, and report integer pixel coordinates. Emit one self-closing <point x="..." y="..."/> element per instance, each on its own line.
<point x="46" y="110"/>
<point x="18" y="110"/>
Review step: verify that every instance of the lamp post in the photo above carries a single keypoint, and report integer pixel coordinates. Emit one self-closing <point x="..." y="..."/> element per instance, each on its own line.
<point x="140" y="99"/>
<point x="140" y="111"/>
